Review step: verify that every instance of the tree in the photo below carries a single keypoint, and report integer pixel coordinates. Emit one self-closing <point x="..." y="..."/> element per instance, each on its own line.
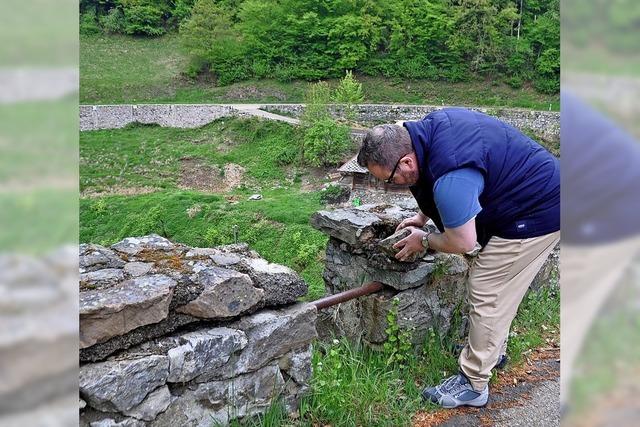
<point x="349" y="92"/>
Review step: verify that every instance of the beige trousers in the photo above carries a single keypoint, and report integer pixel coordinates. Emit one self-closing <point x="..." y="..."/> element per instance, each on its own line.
<point x="498" y="281"/>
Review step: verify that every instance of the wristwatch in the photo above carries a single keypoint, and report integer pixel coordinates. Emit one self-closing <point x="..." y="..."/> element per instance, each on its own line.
<point x="425" y="240"/>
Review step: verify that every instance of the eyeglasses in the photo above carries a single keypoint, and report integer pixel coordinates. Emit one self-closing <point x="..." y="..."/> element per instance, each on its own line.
<point x="393" y="172"/>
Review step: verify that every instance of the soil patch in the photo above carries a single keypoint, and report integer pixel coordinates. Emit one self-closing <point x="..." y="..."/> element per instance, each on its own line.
<point x="233" y="175"/>
<point x="196" y="174"/>
<point x="118" y="191"/>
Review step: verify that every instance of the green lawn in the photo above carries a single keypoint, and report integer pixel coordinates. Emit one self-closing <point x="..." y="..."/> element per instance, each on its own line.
<point x="120" y="69"/>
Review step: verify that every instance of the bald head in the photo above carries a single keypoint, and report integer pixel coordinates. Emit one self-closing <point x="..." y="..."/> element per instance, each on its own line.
<point x="383" y="145"/>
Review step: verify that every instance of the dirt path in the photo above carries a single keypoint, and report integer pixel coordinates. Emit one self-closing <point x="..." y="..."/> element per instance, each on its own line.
<point x="527" y="395"/>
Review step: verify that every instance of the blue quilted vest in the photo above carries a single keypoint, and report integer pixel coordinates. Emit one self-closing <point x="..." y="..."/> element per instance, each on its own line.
<point x="521" y="196"/>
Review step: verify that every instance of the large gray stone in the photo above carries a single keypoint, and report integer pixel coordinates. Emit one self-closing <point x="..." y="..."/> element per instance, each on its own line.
<point x="245" y="395"/>
<point x="120" y="309"/>
<point x="226" y="293"/>
<point x="204" y="353"/>
<point x="281" y="284"/>
<point x="95" y="257"/>
<point x="353" y="226"/>
<point x="297" y="364"/>
<point x="273" y="333"/>
<point x="121" y="385"/>
<point x="156" y="402"/>
<point x="135" y="245"/>
<point x="101" y="278"/>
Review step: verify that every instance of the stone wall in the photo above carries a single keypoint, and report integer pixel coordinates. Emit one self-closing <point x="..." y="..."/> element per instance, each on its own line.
<point x="178" y="336"/>
<point x="544" y="124"/>
<point x="430" y="290"/>
<point x="93" y="117"/>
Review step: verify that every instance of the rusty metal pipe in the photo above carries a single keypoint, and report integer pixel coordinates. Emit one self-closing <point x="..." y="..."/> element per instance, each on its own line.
<point x="363" y="290"/>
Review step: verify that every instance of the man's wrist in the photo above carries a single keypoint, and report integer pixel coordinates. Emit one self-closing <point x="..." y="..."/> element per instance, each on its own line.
<point x="425" y="240"/>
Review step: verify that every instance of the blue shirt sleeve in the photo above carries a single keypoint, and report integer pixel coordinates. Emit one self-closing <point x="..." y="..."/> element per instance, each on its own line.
<point x="456" y="195"/>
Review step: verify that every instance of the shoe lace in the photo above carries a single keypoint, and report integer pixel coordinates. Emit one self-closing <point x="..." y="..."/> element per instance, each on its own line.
<point x="452" y="385"/>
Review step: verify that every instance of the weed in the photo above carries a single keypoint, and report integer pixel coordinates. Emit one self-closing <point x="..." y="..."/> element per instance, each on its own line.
<point x="398" y="343"/>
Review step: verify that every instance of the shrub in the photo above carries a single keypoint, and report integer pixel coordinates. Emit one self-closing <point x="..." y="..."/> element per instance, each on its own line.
<point x="89" y="23"/>
<point x="113" y="22"/>
<point x="335" y="194"/>
<point x="325" y="142"/>
<point x="143" y="19"/>
<point x="349" y="92"/>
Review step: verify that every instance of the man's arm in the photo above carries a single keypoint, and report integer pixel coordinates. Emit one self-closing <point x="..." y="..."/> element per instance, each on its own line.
<point x="456" y="240"/>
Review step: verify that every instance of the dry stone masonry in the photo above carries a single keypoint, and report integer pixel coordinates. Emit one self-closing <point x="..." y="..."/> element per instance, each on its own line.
<point x="178" y="336"/>
<point x="430" y="290"/>
<point x="544" y="124"/>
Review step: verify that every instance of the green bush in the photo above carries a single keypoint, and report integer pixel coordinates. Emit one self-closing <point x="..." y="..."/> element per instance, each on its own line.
<point x="113" y="22"/>
<point x="213" y="43"/>
<point x="326" y="142"/>
<point x="143" y="19"/>
<point x="89" y="23"/>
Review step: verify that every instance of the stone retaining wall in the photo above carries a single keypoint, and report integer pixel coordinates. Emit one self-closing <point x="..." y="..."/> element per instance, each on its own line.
<point x="430" y="291"/>
<point x="179" y="336"/>
<point x="544" y="124"/>
<point x="93" y="117"/>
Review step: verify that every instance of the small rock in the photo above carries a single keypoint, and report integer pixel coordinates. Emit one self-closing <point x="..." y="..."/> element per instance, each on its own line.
<point x="255" y="197"/>
<point x="386" y="245"/>
<point x="156" y="402"/>
<point x="135" y="245"/>
<point x="226" y="293"/>
<point x="102" y="278"/>
<point x="136" y="269"/>
<point x="110" y="422"/>
<point x="95" y="257"/>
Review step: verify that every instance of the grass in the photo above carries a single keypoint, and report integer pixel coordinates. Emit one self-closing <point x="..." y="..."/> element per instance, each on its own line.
<point x="120" y="69"/>
<point x="149" y="157"/>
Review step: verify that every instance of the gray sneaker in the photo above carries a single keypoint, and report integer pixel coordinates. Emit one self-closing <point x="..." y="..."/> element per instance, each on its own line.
<point x="456" y="391"/>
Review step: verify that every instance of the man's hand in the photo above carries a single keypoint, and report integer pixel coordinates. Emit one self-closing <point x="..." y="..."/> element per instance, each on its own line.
<point x="410" y="244"/>
<point x="418" y="220"/>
